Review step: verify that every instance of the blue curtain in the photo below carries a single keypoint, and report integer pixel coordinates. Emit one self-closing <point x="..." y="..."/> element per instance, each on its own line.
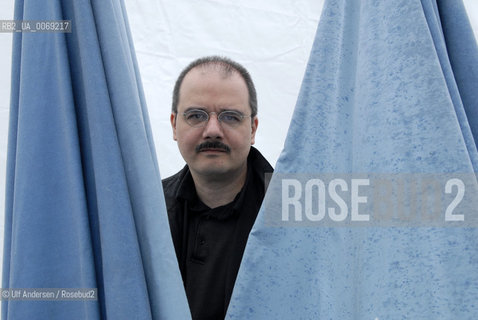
<point x="390" y="88"/>
<point x="84" y="202"/>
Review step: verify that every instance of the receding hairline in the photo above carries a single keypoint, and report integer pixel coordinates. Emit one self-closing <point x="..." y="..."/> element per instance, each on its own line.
<point x="219" y="67"/>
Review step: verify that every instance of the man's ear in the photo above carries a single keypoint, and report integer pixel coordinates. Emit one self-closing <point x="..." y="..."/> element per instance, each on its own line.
<point x="173" y="125"/>
<point x="255" y="123"/>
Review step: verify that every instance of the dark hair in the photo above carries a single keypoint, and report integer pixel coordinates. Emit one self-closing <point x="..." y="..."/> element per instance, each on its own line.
<point x="227" y="66"/>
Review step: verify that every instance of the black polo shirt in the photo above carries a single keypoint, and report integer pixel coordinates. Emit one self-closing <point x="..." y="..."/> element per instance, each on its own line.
<point x="209" y="242"/>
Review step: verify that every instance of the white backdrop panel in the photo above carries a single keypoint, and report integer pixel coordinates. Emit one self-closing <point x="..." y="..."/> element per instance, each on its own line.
<point x="270" y="38"/>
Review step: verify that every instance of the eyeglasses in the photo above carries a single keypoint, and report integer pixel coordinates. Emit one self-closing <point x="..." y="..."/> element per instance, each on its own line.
<point x="198" y="118"/>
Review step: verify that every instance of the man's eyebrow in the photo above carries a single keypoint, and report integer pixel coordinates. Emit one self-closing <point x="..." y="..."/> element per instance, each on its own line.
<point x="195" y="108"/>
<point x="205" y="109"/>
<point x="230" y="109"/>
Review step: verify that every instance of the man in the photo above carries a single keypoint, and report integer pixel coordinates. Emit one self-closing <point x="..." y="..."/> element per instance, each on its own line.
<point x="214" y="200"/>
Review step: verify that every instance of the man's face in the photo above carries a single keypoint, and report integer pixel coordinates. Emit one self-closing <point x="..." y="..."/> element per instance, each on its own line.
<point x="208" y="89"/>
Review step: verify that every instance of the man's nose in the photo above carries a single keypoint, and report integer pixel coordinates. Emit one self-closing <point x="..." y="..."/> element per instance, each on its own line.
<point x="213" y="129"/>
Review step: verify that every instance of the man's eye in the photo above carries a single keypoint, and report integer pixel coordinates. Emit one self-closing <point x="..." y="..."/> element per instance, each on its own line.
<point x="231" y="117"/>
<point x="196" y="116"/>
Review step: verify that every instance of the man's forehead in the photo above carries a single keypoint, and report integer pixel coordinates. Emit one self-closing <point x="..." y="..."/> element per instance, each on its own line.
<point x="211" y="89"/>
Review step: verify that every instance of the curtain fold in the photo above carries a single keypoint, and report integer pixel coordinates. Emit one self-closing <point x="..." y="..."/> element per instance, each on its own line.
<point x="389" y="90"/>
<point x="84" y="203"/>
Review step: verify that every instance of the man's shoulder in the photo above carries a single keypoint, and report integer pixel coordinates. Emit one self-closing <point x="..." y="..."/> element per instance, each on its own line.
<point x="259" y="162"/>
<point x="172" y="183"/>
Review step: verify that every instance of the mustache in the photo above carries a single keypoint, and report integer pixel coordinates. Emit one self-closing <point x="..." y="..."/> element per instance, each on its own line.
<point x="213" y="145"/>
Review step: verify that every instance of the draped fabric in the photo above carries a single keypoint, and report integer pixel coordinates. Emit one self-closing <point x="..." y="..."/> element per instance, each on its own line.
<point x="390" y="88"/>
<point x="84" y="203"/>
